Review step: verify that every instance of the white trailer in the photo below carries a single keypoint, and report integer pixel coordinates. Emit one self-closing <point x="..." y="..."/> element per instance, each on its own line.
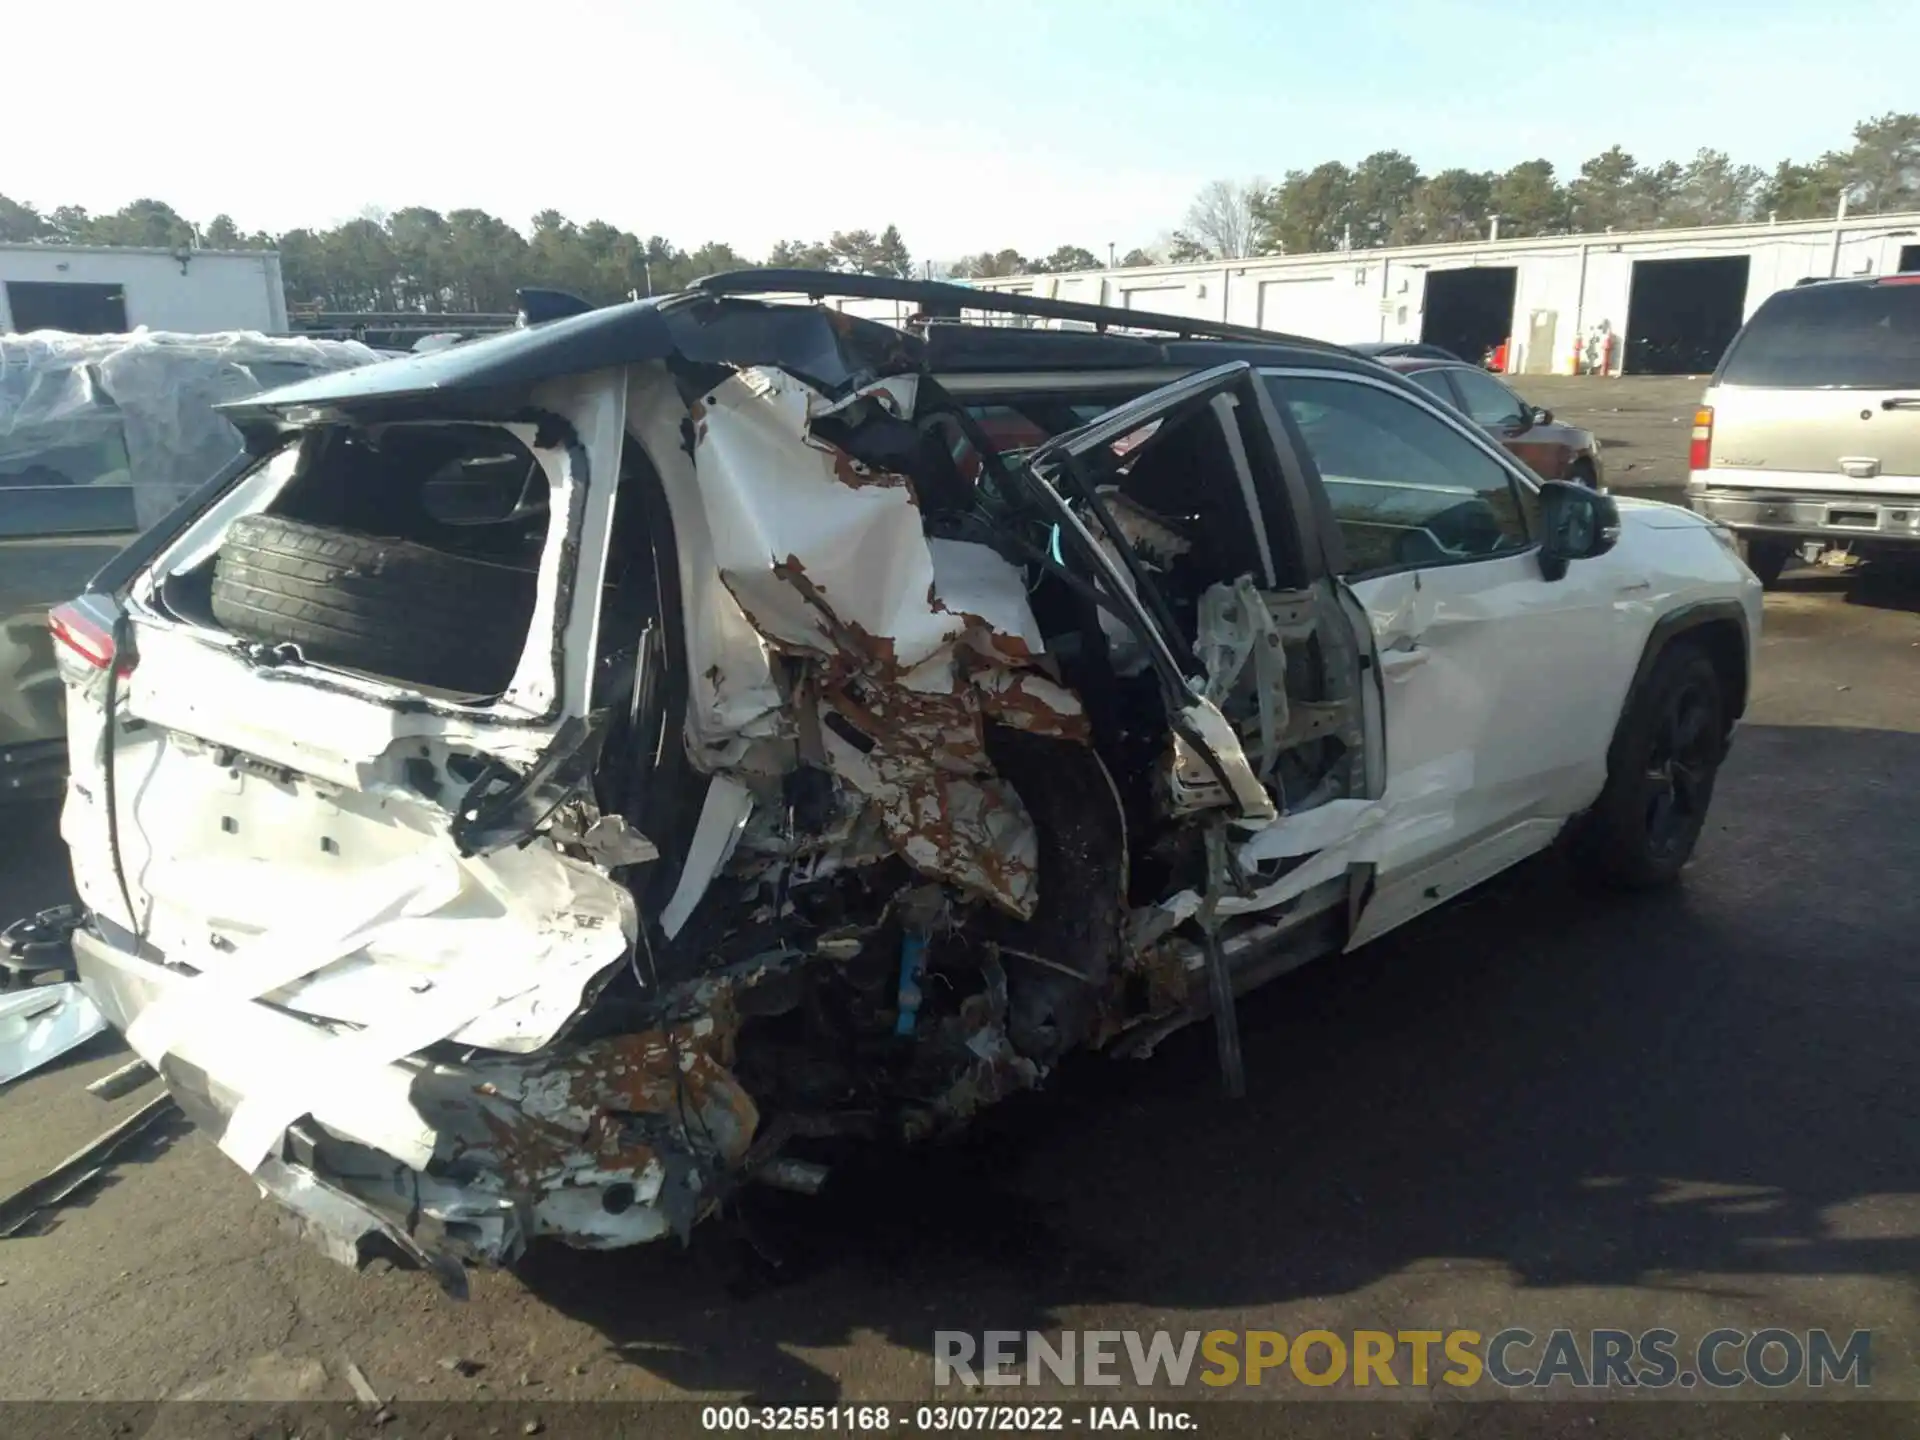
<point x="1649" y="302"/>
<point x="110" y="290"/>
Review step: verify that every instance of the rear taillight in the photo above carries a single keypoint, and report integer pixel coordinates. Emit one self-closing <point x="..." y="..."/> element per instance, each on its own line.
<point x="1700" y="452"/>
<point x="86" y="635"/>
<point x="1901" y="279"/>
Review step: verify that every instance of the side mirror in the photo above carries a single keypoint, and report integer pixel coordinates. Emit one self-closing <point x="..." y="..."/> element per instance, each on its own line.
<point x="1577" y="524"/>
<point x="1538" y="415"/>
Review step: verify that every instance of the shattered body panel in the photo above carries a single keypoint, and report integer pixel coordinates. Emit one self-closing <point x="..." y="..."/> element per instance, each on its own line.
<point x="448" y="973"/>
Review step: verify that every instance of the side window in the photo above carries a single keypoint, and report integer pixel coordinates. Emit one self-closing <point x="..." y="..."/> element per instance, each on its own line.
<point x="1487" y="400"/>
<point x="1406" y="488"/>
<point x="1434" y="382"/>
<point x="62" y="480"/>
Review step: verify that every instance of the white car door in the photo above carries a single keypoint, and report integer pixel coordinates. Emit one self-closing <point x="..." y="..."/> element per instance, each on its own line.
<point x="1257" y="513"/>
<point x="1495" y="680"/>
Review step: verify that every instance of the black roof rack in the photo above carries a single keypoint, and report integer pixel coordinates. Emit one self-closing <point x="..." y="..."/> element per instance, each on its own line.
<point x="940" y="300"/>
<point x="539" y="303"/>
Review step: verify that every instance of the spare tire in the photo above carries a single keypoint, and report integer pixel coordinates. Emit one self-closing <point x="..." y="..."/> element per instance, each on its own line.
<point x="389" y="607"/>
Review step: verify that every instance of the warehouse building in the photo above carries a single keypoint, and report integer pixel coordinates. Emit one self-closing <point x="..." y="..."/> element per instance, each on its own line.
<point x="107" y="290"/>
<point x="1658" y="302"/>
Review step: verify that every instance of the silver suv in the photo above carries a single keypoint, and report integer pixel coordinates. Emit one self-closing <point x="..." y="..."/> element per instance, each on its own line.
<point x="1810" y="430"/>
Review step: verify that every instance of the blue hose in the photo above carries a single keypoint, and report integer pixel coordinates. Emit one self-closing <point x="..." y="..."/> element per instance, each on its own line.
<point x="913" y="955"/>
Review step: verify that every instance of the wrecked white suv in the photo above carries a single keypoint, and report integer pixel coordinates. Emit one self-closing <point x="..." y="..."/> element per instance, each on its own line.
<point x="560" y="779"/>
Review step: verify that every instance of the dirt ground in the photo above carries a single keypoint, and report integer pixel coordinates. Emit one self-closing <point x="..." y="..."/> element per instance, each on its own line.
<point x="1643" y="422"/>
<point x="1537" y="1107"/>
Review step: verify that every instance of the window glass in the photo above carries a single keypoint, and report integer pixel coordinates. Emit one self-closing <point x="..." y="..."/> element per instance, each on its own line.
<point x="1487" y="400"/>
<point x="67" y="479"/>
<point x="1406" y="487"/>
<point x="1864" y="337"/>
<point x="1009" y="429"/>
<point x="1434" y="381"/>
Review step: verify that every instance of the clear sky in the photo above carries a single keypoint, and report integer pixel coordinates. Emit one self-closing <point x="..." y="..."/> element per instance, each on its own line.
<point x="1029" y="123"/>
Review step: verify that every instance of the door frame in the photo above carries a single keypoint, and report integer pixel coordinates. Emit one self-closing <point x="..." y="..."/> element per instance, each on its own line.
<point x="1293" y="519"/>
<point x="1457" y="419"/>
<point x="1374" y="908"/>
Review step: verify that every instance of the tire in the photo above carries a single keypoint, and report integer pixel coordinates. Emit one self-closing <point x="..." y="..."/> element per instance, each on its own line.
<point x="1661" y="769"/>
<point x="389" y="607"/>
<point x="1767" y="557"/>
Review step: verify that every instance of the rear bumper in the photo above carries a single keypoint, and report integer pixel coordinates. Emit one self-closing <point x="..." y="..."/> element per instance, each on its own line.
<point x="1826" y="515"/>
<point x="425" y="1161"/>
<point x="352" y="1218"/>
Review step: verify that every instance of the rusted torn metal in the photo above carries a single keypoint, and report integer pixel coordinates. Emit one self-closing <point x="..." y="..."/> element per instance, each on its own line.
<point x="921" y="845"/>
<point x="905" y="647"/>
<point x="635" y="1127"/>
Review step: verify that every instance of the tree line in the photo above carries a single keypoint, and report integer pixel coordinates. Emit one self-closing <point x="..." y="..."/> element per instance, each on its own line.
<point x="470" y="261"/>
<point x="1385" y="199"/>
<point x="465" y="261"/>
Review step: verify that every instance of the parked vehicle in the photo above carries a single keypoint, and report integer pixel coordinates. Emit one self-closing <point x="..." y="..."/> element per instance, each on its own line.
<point x="1809" y="433"/>
<point x="569" y="776"/>
<point x="99" y="436"/>
<point x="1553" y="450"/>
<point x="1403" y="350"/>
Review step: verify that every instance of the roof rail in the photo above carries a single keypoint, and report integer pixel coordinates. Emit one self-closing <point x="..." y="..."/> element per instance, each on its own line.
<point x="538" y="303"/>
<point x="940" y="300"/>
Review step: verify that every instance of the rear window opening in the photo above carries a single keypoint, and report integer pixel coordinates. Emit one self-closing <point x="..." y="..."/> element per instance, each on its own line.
<point x="1837" y="337"/>
<point x="409" y="553"/>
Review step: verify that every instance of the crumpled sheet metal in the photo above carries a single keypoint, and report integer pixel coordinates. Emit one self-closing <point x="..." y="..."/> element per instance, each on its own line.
<point x="503" y="948"/>
<point x="1416" y="803"/>
<point x="1193" y="782"/>
<point x="1240" y="646"/>
<point x="735" y="705"/>
<point x="820" y="551"/>
<point x="910" y="644"/>
<point x="997" y="1069"/>
<point x="615" y="1143"/>
<point x="724" y="814"/>
<point x="451" y="969"/>
<point x="612" y="1143"/>
<point x="39" y="1025"/>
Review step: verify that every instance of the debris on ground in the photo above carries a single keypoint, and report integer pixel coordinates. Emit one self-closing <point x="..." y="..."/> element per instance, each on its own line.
<point x="273" y="1378"/>
<point x="83" y="1166"/>
<point x="124" y="1081"/>
<point x="368" y="1396"/>
<point x="40" y="1024"/>
<point x="33" y="948"/>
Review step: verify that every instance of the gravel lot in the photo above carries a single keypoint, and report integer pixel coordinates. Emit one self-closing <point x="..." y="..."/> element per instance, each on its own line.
<point x="1536" y="1107"/>
<point x="1643" y="424"/>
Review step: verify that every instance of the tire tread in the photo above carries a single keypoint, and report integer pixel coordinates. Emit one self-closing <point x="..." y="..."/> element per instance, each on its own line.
<point x="398" y="609"/>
